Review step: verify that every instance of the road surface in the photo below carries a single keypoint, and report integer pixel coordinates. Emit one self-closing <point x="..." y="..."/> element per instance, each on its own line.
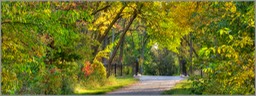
<point x="148" y="85"/>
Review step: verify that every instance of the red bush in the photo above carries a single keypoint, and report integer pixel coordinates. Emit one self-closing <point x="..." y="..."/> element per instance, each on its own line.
<point x="87" y="69"/>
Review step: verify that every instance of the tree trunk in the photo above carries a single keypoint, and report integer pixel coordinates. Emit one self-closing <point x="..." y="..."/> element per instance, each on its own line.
<point x="144" y="42"/>
<point x="120" y="40"/>
<point x="191" y="54"/>
<point x="136" y="66"/>
<point x="194" y="51"/>
<point x="115" y="69"/>
<point x="121" y="56"/>
<point x="105" y="43"/>
<point x="121" y="51"/>
<point x="113" y="39"/>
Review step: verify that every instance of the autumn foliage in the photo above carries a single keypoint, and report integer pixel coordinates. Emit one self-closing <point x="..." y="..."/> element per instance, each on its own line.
<point x="46" y="45"/>
<point x="87" y="69"/>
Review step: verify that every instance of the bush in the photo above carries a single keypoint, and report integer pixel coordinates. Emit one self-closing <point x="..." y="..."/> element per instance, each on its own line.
<point x="52" y="81"/>
<point x="69" y="77"/>
<point x="94" y="74"/>
<point x="225" y="78"/>
<point x="9" y="82"/>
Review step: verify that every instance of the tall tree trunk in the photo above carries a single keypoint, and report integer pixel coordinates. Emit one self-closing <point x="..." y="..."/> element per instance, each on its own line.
<point x="105" y="43"/>
<point x="179" y="57"/>
<point x="113" y="39"/>
<point x="191" y="54"/>
<point x="121" y="52"/>
<point x="144" y="42"/>
<point x="120" y="40"/>
<point x="194" y="51"/>
<point x="133" y="46"/>
<point x="121" y="56"/>
<point x="115" y="69"/>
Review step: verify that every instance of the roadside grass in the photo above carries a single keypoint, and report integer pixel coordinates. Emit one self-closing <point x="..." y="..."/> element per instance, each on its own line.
<point x="112" y="84"/>
<point x="181" y="88"/>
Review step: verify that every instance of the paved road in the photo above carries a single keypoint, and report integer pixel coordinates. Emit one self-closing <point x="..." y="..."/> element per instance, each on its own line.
<point x="148" y="85"/>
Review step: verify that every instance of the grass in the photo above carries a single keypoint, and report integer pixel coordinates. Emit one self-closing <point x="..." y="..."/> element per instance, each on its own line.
<point x="181" y="88"/>
<point x="113" y="84"/>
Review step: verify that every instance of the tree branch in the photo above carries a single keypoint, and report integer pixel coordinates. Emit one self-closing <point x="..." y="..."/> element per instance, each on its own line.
<point x="101" y="38"/>
<point x="192" y="47"/>
<point x="95" y="12"/>
<point x="17" y="22"/>
<point x="111" y="24"/>
<point x="119" y="42"/>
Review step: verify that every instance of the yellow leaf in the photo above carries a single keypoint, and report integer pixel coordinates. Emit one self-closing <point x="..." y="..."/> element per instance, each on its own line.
<point x="228" y="55"/>
<point x="219" y="50"/>
<point x="212" y="49"/>
<point x="236" y="56"/>
<point x="233" y="9"/>
<point x="47" y="11"/>
<point x="223" y="49"/>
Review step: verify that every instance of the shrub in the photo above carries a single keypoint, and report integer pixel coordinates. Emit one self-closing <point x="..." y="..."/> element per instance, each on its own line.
<point x="53" y="81"/>
<point x="87" y="69"/>
<point x="69" y="77"/>
<point x="9" y="82"/>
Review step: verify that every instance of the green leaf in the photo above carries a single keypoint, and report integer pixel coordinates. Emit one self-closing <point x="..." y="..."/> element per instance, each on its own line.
<point x="202" y="51"/>
<point x="213" y="50"/>
<point x="207" y="52"/>
<point x="230" y="37"/>
<point x="221" y="31"/>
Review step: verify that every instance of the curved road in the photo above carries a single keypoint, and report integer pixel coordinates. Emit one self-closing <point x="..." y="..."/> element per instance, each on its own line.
<point x="148" y="85"/>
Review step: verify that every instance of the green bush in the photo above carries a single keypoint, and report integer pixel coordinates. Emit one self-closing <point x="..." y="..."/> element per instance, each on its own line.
<point x="9" y="82"/>
<point x="220" y="80"/>
<point x="69" y="77"/>
<point x="52" y="81"/>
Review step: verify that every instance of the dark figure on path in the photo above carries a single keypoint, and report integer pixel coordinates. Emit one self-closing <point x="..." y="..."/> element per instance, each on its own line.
<point x="137" y="66"/>
<point x="183" y="64"/>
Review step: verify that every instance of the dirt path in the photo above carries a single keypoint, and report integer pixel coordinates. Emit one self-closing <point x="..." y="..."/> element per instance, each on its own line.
<point x="148" y="85"/>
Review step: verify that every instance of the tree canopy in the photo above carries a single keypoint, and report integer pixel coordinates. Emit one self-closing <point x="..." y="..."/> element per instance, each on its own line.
<point x="49" y="47"/>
